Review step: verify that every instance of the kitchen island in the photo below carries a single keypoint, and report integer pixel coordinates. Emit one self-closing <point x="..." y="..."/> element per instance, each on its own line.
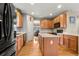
<point x="48" y="44"/>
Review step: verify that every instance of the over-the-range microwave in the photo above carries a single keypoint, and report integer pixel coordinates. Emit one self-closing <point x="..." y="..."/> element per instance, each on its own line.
<point x="57" y="25"/>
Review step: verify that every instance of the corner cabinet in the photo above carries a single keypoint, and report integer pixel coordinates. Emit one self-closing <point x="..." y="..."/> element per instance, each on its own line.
<point x="46" y="23"/>
<point x="19" y="19"/>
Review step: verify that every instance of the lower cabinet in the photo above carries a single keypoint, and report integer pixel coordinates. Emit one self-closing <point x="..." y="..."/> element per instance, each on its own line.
<point x="71" y="42"/>
<point x="41" y="43"/>
<point x="65" y="41"/>
<point x="19" y="43"/>
<point x="48" y="45"/>
<point x="61" y="39"/>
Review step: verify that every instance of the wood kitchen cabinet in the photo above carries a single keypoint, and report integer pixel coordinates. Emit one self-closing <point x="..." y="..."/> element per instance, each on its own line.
<point x="65" y="41"/>
<point x="19" y="43"/>
<point x="41" y="43"/>
<point x="61" y="39"/>
<point x="48" y="45"/>
<point x="19" y="19"/>
<point x="46" y="23"/>
<point x="63" y="20"/>
<point x="57" y="19"/>
<point x="71" y="42"/>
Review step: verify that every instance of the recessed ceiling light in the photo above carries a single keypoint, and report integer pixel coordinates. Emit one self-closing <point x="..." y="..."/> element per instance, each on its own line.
<point x="32" y="3"/>
<point x="50" y="14"/>
<point x="32" y="13"/>
<point x="59" y="6"/>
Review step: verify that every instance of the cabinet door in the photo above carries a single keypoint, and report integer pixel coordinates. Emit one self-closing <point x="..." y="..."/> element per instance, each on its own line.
<point x="51" y="46"/>
<point x="43" y="23"/>
<point x="63" y="20"/>
<point x="73" y="43"/>
<point x="61" y="40"/>
<point x="41" y="43"/>
<point x="46" y="23"/>
<point x="52" y="23"/>
<point x="19" y="20"/>
<point x="57" y="19"/>
<point x="65" y="41"/>
<point x="17" y="44"/>
<point x="54" y="20"/>
<point x="49" y="24"/>
<point x="21" y="41"/>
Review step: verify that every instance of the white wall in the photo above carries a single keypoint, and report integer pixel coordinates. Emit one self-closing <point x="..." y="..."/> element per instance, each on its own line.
<point x="71" y="27"/>
<point x="78" y="25"/>
<point x="29" y="28"/>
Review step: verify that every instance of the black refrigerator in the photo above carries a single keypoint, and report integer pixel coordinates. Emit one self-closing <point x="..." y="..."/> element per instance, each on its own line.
<point x="7" y="40"/>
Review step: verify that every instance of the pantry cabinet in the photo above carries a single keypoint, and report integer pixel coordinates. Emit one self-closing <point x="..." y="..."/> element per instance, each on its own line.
<point x="19" y="19"/>
<point x="46" y="23"/>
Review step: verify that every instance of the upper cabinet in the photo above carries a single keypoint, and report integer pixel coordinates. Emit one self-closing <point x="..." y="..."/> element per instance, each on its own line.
<point x="60" y="21"/>
<point x="46" y="23"/>
<point x="19" y="19"/>
<point x="63" y="20"/>
<point x="57" y="19"/>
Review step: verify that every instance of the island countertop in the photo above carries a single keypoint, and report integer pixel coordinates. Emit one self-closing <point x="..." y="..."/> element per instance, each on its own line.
<point x="47" y="35"/>
<point x="20" y="33"/>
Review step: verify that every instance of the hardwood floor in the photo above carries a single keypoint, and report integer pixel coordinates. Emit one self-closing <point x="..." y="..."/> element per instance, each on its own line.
<point x="66" y="52"/>
<point x="32" y="49"/>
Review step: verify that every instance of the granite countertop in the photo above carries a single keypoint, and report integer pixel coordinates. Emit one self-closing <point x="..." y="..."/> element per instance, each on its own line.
<point x="47" y="35"/>
<point x="20" y="33"/>
<point x="71" y="34"/>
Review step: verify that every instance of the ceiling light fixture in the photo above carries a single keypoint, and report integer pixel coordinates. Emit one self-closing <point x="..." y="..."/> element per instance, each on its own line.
<point x="32" y="3"/>
<point x="59" y="6"/>
<point x="32" y="13"/>
<point x="50" y="14"/>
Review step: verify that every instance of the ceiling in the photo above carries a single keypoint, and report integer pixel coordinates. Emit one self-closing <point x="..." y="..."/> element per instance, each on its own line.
<point x="44" y="9"/>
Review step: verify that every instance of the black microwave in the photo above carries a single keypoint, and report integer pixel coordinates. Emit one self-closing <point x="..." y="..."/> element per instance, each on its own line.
<point x="57" y="25"/>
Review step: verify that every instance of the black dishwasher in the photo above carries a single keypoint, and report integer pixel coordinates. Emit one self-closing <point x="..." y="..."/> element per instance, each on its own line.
<point x="7" y="40"/>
